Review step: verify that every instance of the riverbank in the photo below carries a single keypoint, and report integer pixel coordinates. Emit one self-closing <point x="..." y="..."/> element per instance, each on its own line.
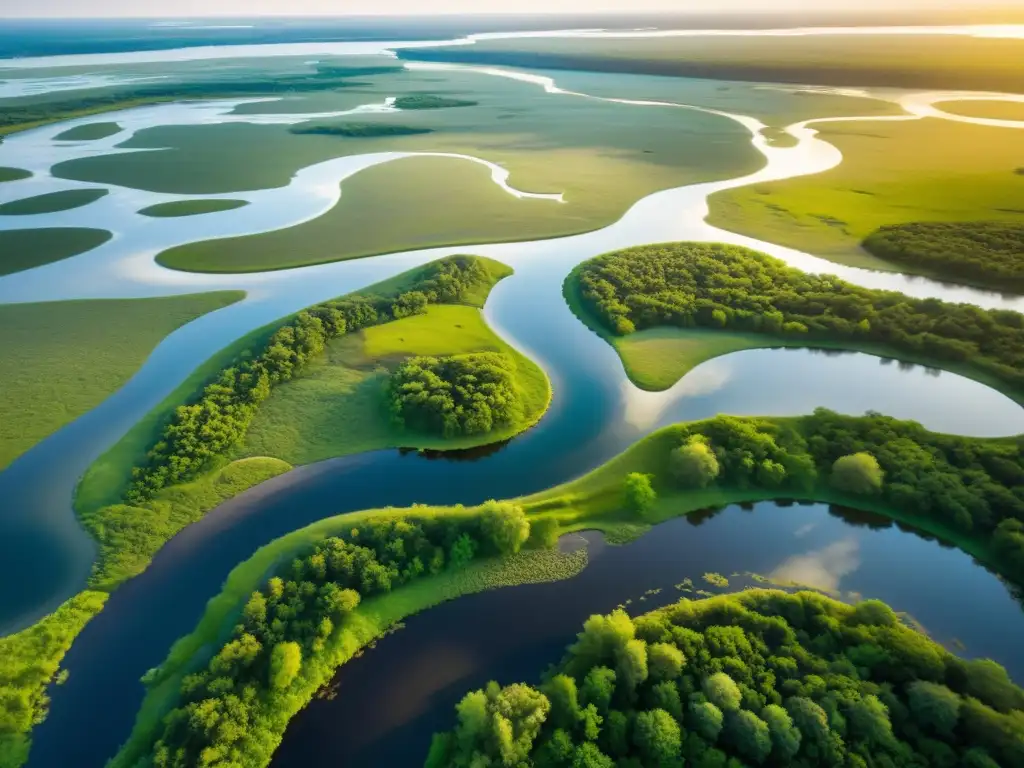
<point x="663" y="330"/>
<point x="597" y="501"/>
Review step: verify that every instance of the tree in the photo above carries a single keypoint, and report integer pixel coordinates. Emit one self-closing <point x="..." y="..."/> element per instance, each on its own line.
<point x="934" y="706"/>
<point x="749" y="734"/>
<point x="589" y="756"/>
<point x="665" y="695"/>
<point x="722" y="691"/>
<point x="664" y="661"/>
<point x="598" y="688"/>
<point x="601" y="638"/>
<point x="785" y="736"/>
<point x="556" y="752"/>
<point x="868" y="719"/>
<point x="694" y="464"/>
<point x="565" y="707"/>
<point x="640" y="495"/>
<point x="285" y="663"/>
<point x="658" y="738"/>
<point x="631" y="664"/>
<point x="706" y="719"/>
<point x="462" y="552"/>
<point x="505" y="526"/>
<point x="858" y="473"/>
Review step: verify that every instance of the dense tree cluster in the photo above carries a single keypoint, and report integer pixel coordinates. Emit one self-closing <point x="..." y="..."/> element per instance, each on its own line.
<point x="228" y="713"/>
<point x="972" y="486"/>
<point x="756" y="678"/>
<point x="430" y="101"/>
<point x="722" y="286"/>
<point x="358" y="130"/>
<point x="203" y="430"/>
<point x="469" y="394"/>
<point x="990" y="253"/>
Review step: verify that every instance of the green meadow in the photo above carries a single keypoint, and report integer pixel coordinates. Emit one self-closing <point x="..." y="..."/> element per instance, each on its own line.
<point x="61" y="359"/>
<point x="892" y="173"/>
<point x="52" y="202"/>
<point x="191" y="208"/>
<point x="22" y="249"/>
<point x="89" y="132"/>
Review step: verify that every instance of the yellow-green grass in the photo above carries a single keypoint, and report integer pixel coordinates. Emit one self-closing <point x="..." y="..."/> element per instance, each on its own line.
<point x="14" y="174"/>
<point x="22" y="249"/>
<point x="191" y="207"/>
<point x="594" y="501"/>
<point x="89" y="132"/>
<point x="52" y="202"/>
<point x="992" y="110"/>
<point x="911" y="61"/>
<point x="61" y="359"/>
<point x="656" y="358"/>
<point x="892" y="173"/>
<point x="29" y="660"/>
<point x="339" y="406"/>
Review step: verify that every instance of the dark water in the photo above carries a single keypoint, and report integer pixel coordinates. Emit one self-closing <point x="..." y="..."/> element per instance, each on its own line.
<point x="387" y="703"/>
<point x="594" y="415"/>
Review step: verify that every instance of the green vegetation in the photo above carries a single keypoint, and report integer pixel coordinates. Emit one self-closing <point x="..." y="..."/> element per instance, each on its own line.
<point x="712" y="286"/>
<point x="89" y="132"/>
<point x="892" y="173"/>
<point x="191" y="207"/>
<point x="339" y="593"/>
<point x="51" y="202"/>
<point x="959" y="488"/>
<point x="991" y="110"/>
<point x="61" y="359"/>
<point x="13" y="174"/>
<point x="428" y="101"/>
<point x="358" y="130"/>
<point x="22" y="249"/>
<point x="470" y="394"/>
<point x="908" y="61"/>
<point x="752" y="678"/>
<point x="29" y="661"/>
<point x="985" y="253"/>
<point x="339" y="405"/>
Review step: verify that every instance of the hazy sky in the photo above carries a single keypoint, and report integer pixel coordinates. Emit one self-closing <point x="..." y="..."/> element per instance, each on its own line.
<point x="185" y="8"/>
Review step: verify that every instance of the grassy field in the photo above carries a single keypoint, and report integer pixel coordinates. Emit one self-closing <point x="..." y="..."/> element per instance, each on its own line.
<point x="89" y="132"/>
<point x="911" y="61"/>
<point x="892" y="173"/>
<point x="13" y="174"/>
<point x="22" y="249"/>
<point x="52" y="202"/>
<point x="191" y="208"/>
<point x="339" y="406"/>
<point x="61" y="359"/>
<point x="994" y="110"/>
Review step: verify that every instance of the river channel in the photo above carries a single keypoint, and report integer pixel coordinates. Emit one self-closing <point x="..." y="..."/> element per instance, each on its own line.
<point x="595" y="414"/>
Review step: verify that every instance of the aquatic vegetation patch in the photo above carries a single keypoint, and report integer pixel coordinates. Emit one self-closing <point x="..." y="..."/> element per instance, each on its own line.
<point x="358" y="130"/>
<point x="22" y="249"/>
<point x="89" y="132"/>
<point x="14" y="174"/>
<point x="191" y="208"/>
<point x="430" y="101"/>
<point x="52" y="202"/>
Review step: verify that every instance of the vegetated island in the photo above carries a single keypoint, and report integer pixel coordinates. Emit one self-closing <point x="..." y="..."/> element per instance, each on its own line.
<point x="759" y="677"/>
<point x="430" y="101"/>
<point x="52" y="202"/>
<point x="180" y="461"/>
<point x="89" y="132"/>
<point x="325" y="78"/>
<point x="358" y="130"/>
<point x="348" y="580"/>
<point x="22" y="249"/>
<point x="666" y="308"/>
<point x="178" y="208"/>
<point x="988" y="253"/>
<point x="14" y="174"/>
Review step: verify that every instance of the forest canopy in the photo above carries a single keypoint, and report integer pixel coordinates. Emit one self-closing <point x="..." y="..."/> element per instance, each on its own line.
<point x="723" y="286"/>
<point x="468" y="394"/>
<point x="988" y="253"/>
<point x="760" y="677"/>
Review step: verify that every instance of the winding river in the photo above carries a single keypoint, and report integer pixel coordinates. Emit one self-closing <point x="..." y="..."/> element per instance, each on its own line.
<point x="596" y="413"/>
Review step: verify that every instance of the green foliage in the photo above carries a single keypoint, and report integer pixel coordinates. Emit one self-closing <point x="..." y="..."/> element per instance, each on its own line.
<point x="857" y="473"/>
<point x="205" y="430"/>
<point x="639" y="493"/>
<point x="358" y="130"/>
<point x="664" y="661"/>
<point x="504" y="525"/>
<point x="792" y="699"/>
<point x="467" y="394"/>
<point x="685" y="284"/>
<point x="429" y="101"/>
<point x="985" y="252"/>
<point x="285" y="663"/>
<point x="694" y="464"/>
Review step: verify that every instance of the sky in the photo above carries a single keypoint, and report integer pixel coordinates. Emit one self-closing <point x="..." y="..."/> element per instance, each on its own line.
<point x="187" y="8"/>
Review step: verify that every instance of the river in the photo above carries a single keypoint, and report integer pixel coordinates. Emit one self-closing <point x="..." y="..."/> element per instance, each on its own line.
<point x="595" y="413"/>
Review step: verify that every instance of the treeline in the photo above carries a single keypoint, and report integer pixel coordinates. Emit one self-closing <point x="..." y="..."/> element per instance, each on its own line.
<point x="429" y="101"/>
<point x="723" y="286"/>
<point x="230" y="713"/>
<point x="204" y="430"/>
<point x="357" y="130"/>
<point x="469" y="394"/>
<point x="988" y="253"/>
<point x="756" y="678"/>
<point x="971" y="486"/>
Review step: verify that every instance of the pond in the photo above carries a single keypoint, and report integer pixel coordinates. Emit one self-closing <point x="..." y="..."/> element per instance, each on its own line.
<point x="382" y="708"/>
